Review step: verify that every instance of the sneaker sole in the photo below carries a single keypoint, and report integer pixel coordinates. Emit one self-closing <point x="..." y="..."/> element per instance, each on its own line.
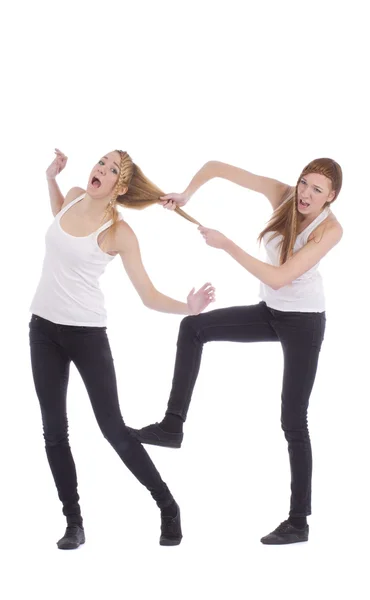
<point x="71" y="546"/>
<point x="283" y="543"/>
<point x="174" y="445"/>
<point x="169" y="542"/>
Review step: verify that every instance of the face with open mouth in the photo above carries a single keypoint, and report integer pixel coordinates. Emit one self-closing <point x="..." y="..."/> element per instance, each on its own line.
<point x="104" y="176"/>
<point x="314" y="190"/>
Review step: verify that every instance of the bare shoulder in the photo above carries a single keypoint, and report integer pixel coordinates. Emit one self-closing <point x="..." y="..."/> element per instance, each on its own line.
<point x="333" y="225"/>
<point x="124" y="238"/>
<point x="329" y="228"/>
<point x="73" y="193"/>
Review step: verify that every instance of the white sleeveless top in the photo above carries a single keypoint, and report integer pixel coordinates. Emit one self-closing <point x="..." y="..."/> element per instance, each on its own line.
<point x="68" y="292"/>
<point x="305" y="294"/>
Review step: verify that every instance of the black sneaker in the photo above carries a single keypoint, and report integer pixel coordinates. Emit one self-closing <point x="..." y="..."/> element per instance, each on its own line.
<point x="171" y="534"/>
<point x="72" y="539"/>
<point x="286" y="533"/>
<point x="156" y="436"/>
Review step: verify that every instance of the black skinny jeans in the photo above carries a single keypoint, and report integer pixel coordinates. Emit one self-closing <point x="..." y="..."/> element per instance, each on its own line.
<point x="300" y="334"/>
<point x="53" y="347"/>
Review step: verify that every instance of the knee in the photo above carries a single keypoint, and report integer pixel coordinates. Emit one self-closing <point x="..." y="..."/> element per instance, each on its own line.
<point x="123" y="443"/>
<point x="56" y="437"/>
<point x="117" y="434"/>
<point x="55" y="428"/>
<point x="187" y="323"/>
<point x="295" y="429"/>
<point x="190" y="327"/>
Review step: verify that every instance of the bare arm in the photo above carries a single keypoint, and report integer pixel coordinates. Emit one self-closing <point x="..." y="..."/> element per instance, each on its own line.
<point x="126" y="243"/>
<point x="274" y="190"/>
<point x="277" y="277"/>
<point x="57" y="200"/>
<point x="56" y="196"/>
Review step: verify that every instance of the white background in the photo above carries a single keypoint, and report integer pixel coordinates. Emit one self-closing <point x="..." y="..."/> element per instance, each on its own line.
<point x="267" y="86"/>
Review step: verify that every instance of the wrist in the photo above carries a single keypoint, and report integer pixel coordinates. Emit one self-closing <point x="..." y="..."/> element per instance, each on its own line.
<point x="228" y="245"/>
<point x="50" y="178"/>
<point x="190" y="312"/>
<point x="187" y="194"/>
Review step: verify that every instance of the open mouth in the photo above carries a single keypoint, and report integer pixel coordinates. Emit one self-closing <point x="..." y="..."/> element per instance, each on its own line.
<point x="95" y="182"/>
<point x="303" y="204"/>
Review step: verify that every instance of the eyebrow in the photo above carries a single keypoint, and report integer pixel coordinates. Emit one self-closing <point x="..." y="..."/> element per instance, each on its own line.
<point x="106" y="157"/>
<point x="317" y="186"/>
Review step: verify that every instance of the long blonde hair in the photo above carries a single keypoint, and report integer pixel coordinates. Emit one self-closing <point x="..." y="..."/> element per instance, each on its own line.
<point x="141" y="192"/>
<point x="285" y="218"/>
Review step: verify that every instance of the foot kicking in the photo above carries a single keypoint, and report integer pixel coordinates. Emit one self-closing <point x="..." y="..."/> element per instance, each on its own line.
<point x="168" y="433"/>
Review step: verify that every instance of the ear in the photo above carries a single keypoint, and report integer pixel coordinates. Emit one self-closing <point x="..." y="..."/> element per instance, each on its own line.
<point x="331" y="196"/>
<point x="122" y="190"/>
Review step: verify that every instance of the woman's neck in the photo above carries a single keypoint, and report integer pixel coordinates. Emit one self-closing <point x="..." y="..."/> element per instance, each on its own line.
<point x="95" y="208"/>
<point x="306" y="220"/>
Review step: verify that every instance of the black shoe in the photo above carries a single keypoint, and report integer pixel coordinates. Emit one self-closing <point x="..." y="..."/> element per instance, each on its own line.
<point x="73" y="538"/>
<point x="286" y="533"/>
<point x="156" y="436"/>
<point x="171" y="534"/>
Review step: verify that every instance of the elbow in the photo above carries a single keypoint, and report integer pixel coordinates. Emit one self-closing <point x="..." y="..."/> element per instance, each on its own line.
<point x="278" y="279"/>
<point x="277" y="283"/>
<point x="149" y="300"/>
<point x="213" y="167"/>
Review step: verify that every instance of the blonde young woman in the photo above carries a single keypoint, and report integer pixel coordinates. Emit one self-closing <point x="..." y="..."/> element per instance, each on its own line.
<point x="301" y="231"/>
<point x="68" y="324"/>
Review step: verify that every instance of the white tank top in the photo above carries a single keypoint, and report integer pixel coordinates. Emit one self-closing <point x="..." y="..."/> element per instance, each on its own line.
<point x="68" y="292"/>
<point x="305" y="294"/>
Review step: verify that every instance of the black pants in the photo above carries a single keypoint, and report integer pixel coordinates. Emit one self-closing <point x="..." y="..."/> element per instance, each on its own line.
<point x="300" y="334"/>
<point x="53" y="347"/>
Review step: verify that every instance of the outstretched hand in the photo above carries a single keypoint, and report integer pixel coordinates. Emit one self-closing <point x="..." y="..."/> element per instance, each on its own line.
<point x="198" y="301"/>
<point x="213" y="238"/>
<point x="57" y="165"/>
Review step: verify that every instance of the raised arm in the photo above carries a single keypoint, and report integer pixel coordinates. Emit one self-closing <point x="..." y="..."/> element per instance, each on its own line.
<point x="57" y="200"/>
<point x="126" y="245"/>
<point x="274" y="190"/>
<point x="56" y="197"/>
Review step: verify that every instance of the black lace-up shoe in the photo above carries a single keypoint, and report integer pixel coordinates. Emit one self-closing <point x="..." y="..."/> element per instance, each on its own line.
<point x="286" y="533"/>
<point x="73" y="538"/>
<point x="171" y="534"/>
<point x="156" y="436"/>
